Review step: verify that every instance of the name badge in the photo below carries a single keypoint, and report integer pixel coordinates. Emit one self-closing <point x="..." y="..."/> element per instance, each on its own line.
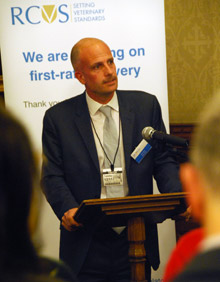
<point x="112" y="178"/>
<point x="141" y="151"/>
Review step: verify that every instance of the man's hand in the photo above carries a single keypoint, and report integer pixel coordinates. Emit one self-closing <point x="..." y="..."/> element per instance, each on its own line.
<point x="187" y="214"/>
<point x="68" y="220"/>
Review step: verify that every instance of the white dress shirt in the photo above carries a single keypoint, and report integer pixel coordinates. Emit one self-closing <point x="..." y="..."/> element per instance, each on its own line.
<point x="97" y="124"/>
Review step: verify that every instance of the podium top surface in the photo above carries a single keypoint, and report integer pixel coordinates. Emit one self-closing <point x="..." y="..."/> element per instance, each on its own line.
<point x="155" y="208"/>
<point x="139" y="198"/>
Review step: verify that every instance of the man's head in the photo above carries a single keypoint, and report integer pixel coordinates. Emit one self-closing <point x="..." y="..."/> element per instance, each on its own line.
<point x="202" y="177"/>
<point x="94" y="67"/>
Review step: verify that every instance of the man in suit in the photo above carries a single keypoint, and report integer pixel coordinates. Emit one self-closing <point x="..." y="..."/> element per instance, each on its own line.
<point x="75" y="166"/>
<point x="201" y="178"/>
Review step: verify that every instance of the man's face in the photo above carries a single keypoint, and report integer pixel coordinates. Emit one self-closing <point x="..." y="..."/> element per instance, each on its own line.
<point x="97" y="70"/>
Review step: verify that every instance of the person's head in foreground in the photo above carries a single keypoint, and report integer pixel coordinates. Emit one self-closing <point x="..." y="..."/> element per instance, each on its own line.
<point x="201" y="178"/>
<point x="17" y="176"/>
<point x="19" y="192"/>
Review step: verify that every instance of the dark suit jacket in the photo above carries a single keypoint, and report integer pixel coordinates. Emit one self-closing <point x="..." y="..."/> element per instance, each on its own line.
<point x="71" y="173"/>
<point x="203" y="268"/>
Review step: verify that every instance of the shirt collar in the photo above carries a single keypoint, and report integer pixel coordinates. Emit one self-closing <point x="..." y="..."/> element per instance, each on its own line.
<point x="95" y="106"/>
<point x="211" y="242"/>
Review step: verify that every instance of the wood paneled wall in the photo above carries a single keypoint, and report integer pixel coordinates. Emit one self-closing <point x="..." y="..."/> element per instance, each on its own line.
<point x="193" y="56"/>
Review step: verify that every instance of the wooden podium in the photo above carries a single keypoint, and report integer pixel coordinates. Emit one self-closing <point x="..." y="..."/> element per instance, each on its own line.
<point x="133" y="211"/>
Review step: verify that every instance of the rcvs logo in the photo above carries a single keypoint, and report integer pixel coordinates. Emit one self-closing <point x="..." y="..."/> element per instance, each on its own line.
<point x="60" y="13"/>
<point x="35" y="14"/>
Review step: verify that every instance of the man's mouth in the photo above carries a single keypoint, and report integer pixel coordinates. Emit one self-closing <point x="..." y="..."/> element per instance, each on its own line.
<point x="110" y="80"/>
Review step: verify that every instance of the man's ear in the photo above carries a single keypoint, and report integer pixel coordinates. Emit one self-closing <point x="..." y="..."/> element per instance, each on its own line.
<point x="192" y="182"/>
<point x="79" y="75"/>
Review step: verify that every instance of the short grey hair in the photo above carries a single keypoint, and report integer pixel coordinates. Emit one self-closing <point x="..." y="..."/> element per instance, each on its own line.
<point x="205" y="152"/>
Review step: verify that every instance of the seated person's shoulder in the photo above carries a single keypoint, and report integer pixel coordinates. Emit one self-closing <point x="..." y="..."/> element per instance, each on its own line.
<point x="49" y="270"/>
<point x="57" y="269"/>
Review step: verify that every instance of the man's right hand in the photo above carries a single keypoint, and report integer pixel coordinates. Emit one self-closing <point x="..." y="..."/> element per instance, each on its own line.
<point x="68" y="221"/>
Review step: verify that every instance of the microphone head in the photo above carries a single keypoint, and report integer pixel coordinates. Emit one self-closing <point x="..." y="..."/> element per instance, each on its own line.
<point x="147" y="133"/>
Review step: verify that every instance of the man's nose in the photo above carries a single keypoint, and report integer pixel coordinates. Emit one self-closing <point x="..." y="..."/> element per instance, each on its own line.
<point x="108" y="70"/>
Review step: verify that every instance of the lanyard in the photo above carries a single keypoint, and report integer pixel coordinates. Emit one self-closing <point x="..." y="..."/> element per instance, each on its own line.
<point x="111" y="163"/>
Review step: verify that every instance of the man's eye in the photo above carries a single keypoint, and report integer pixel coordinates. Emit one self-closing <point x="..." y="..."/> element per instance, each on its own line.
<point x="96" y="67"/>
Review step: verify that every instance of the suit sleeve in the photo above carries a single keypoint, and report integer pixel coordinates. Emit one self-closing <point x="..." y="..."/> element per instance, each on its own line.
<point x="166" y="169"/>
<point x="54" y="185"/>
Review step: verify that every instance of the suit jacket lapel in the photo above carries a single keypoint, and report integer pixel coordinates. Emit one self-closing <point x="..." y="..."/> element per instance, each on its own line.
<point x="84" y="125"/>
<point x="127" y="120"/>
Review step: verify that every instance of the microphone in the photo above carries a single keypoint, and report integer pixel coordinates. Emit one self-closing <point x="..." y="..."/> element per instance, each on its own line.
<point x="149" y="133"/>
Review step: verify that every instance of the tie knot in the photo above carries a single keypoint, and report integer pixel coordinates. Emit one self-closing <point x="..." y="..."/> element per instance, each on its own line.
<point x="106" y="110"/>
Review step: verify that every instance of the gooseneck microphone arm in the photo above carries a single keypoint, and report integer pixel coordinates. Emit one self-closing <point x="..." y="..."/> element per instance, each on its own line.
<point x="149" y="133"/>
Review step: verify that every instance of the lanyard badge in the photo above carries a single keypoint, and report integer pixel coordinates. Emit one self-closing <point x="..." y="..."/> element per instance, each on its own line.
<point x="112" y="178"/>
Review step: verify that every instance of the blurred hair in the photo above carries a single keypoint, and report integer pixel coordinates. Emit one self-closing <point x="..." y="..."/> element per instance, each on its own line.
<point x="17" y="174"/>
<point x="19" y="199"/>
<point x="205" y="152"/>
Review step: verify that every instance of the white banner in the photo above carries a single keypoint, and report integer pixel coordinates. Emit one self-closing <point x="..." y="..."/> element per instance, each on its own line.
<point x="36" y="38"/>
